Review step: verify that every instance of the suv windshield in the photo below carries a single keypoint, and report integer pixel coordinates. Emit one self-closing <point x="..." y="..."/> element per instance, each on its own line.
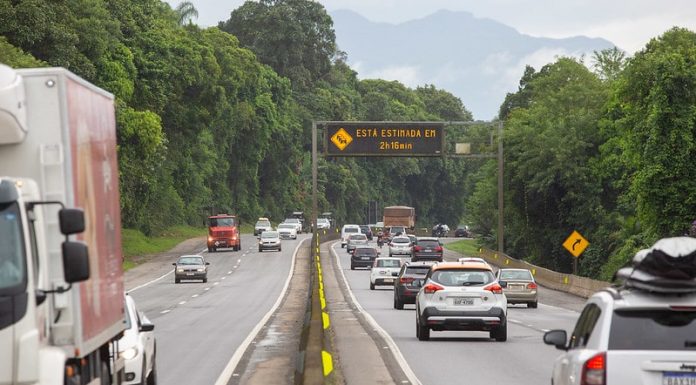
<point x="462" y="277"/>
<point x="12" y="271"/>
<point x="661" y="329"/>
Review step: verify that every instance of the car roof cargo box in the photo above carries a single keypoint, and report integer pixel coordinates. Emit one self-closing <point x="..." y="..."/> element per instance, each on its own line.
<point x="669" y="266"/>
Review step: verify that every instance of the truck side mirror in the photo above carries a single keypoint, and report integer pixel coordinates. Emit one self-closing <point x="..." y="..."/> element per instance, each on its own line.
<point x="75" y="262"/>
<point x="72" y="221"/>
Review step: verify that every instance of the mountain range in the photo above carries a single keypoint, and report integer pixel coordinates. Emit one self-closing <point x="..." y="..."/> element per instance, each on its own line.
<point x="479" y="60"/>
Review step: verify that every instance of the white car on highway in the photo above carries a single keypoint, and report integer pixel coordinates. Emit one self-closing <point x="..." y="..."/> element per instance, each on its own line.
<point x="295" y="222"/>
<point x="384" y="271"/>
<point x="400" y="246"/>
<point x="347" y="231"/>
<point x="461" y="296"/>
<point x="137" y="346"/>
<point x="287" y="231"/>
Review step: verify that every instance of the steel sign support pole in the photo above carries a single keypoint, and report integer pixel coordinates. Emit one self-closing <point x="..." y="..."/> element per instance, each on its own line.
<point x="501" y="226"/>
<point x="314" y="176"/>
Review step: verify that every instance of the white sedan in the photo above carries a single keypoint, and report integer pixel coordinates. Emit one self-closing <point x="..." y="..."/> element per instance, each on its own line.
<point x="137" y="347"/>
<point x="287" y="231"/>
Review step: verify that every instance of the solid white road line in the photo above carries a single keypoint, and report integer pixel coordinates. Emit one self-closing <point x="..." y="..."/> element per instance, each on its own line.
<point x="148" y="283"/>
<point x="237" y="356"/>
<point x="387" y="338"/>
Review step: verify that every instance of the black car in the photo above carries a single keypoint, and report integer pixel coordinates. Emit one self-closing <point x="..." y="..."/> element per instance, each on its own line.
<point x="408" y="282"/>
<point x="363" y="256"/>
<point x="462" y="231"/>
<point x="427" y="249"/>
<point x="367" y="231"/>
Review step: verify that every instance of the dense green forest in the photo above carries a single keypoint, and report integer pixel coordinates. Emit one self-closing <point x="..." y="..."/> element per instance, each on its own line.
<point x="218" y="120"/>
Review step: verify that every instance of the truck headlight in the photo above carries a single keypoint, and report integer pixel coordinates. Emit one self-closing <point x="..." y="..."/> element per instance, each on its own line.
<point x="129" y="353"/>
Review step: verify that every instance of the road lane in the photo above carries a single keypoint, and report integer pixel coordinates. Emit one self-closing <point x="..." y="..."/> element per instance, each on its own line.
<point x="470" y="356"/>
<point x="199" y="326"/>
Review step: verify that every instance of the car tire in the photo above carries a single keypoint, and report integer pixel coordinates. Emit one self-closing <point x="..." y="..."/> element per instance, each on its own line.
<point x="205" y="280"/>
<point x="372" y="286"/>
<point x="422" y="331"/>
<point x="152" y="378"/>
<point x="352" y="267"/>
<point x="398" y="305"/>
<point x="500" y="333"/>
<point x="260" y="249"/>
<point x="177" y="280"/>
<point x="279" y="249"/>
<point x="532" y="305"/>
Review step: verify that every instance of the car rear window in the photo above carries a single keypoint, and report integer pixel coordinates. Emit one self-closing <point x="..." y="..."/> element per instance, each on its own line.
<point x="366" y="252"/>
<point x="351" y="230"/>
<point x="515" y="274"/>
<point x="401" y="240"/>
<point x="658" y="330"/>
<point x="417" y="270"/>
<point x="358" y="237"/>
<point x="429" y="244"/>
<point x="462" y="277"/>
<point x="388" y="263"/>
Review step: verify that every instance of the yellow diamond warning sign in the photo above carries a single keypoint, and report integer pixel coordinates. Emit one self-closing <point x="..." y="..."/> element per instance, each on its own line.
<point x="341" y="139"/>
<point x="576" y="244"/>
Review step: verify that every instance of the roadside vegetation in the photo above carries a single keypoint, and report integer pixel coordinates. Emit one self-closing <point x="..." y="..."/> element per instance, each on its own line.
<point x="468" y="247"/>
<point x="218" y="119"/>
<point x="137" y="245"/>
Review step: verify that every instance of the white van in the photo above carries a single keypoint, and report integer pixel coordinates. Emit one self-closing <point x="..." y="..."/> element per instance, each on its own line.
<point x="347" y="231"/>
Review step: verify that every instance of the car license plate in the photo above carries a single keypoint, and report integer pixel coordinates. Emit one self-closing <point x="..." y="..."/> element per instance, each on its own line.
<point x="678" y="378"/>
<point x="388" y="280"/>
<point x="365" y="258"/>
<point x="189" y="273"/>
<point x="514" y="287"/>
<point x="463" y="301"/>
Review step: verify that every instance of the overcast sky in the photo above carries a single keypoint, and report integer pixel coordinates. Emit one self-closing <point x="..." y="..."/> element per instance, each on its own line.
<point x="630" y="24"/>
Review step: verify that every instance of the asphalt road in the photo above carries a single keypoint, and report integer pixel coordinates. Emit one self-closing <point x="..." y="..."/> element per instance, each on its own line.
<point x="199" y="326"/>
<point x="470" y="358"/>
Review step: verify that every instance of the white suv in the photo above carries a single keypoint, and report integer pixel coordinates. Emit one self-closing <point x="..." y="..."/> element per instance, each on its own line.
<point x="640" y="333"/>
<point x="461" y="296"/>
<point x="384" y="272"/>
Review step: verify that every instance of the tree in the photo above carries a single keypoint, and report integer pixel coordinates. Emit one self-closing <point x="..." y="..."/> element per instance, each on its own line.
<point x="187" y="12"/>
<point x="609" y="63"/>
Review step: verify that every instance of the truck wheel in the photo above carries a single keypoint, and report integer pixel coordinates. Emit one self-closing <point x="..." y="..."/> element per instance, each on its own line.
<point x="210" y="249"/>
<point x="104" y="374"/>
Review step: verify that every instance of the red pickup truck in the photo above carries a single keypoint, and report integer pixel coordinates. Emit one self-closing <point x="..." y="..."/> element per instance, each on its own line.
<point x="223" y="231"/>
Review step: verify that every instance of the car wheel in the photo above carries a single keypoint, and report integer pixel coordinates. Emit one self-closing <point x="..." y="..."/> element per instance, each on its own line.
<point x="152" y="378"/>
<point x="422" y="332"/>
<point x="260" y="249"/>
<point x="143" y="377"/>
<point x="500" y="334"/>
<point x="352" y="267"/>
<point x="372" y="286"/>
<point x="214" y="249"/>
<point x="177" y="280"/>
<point x="533" y="305"/>
<point x="205" y="280"/>
<point x="398" y="305"/>
<point x="279" y="249"/>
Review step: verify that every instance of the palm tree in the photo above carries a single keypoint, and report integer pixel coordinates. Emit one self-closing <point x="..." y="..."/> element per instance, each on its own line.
<point x="187" y="12"/>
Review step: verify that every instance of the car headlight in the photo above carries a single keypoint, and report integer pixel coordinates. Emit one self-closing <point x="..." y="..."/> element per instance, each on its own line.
<point x="129" y="353"/>
<point x="201" y="269"/>
<point x="179" y="269"/>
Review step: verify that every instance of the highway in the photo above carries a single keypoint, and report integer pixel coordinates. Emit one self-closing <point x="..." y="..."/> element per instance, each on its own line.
<point x="199" y="326"/>
<point x="470" y="357"/>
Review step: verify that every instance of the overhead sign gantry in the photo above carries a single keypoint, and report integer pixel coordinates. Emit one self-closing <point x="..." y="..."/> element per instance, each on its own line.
<point x="384" y="139"/>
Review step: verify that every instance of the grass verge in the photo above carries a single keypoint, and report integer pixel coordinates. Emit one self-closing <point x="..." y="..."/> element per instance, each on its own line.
<point x="468" y="247"/>
<point x="136" y="243"/>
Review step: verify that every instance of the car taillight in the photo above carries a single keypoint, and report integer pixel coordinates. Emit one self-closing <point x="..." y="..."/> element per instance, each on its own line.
<point x="594" y="370"/>
<point x="406" y="279"/>
<point x="438" y="249"/>
<point x="495" y="288"/>
<point x="532" y="286"/>
<point x="417" y="248"/>
<point x="432" y="288"/>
